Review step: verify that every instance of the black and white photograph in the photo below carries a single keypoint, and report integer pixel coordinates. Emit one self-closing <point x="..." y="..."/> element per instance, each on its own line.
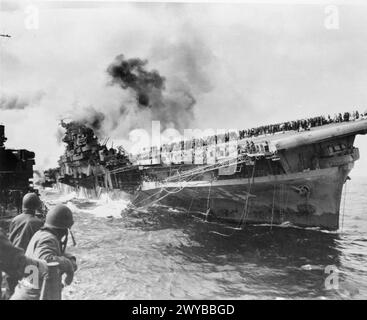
<point x="183" y="151"/>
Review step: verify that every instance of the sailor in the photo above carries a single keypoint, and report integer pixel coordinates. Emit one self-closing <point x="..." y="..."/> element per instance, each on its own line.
<point x="49" y="244"/>
<point x="24" y="226"/>
<point x="346" y="116"/>
<point x="13" y="261"/>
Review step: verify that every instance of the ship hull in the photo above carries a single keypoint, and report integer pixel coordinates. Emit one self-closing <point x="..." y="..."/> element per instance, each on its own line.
<point x="306" y="199"/>
<point x="290" y="177"/>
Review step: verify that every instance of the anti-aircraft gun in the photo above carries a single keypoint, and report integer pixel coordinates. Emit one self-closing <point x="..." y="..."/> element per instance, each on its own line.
<point x="16" y="172"/>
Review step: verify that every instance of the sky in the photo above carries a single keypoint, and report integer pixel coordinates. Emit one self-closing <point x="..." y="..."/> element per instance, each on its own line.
<point x="246" y="64"/>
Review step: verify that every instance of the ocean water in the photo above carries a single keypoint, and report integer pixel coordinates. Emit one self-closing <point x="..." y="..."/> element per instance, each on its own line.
<point x="167" y="254"/>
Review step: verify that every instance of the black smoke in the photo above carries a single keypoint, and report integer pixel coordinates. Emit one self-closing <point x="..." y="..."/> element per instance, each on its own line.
<point x="131" y="74"/>
<point x="173" y="107"/>
<point x="92" y="118"/>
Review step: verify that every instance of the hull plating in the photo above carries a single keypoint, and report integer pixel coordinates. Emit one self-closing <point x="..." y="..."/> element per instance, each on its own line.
<point x="307" y="199"/>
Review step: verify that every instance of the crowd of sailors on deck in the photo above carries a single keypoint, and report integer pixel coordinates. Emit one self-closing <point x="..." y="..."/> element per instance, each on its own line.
<point x="297" y="125"/>
<point x="302" y="125"/>
<point x="250" y="147"/>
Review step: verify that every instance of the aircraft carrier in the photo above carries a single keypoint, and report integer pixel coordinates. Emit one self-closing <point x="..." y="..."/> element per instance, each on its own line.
<point x="288" y="173"/>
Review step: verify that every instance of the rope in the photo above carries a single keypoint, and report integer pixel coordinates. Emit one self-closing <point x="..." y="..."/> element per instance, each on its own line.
<point x="191" y="173"/>
<point x="285" y="204"/>
<point x="272" y="209"/>
<point x="224" y="163"/>
<point x="249" y="191"/>
<point x="192" y="200"/>
<point x="281" y="202"/>
<point x="168" y="192"/>
<point x="208" y="202"/>
<point x="344" y="200"/>
<point x="151" y="196"/>
<point x="158" y="192"/>
<point x="244" y="214"/>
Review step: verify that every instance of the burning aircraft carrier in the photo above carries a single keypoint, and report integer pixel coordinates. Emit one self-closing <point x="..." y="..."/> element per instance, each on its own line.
<point x="291" y="172"/>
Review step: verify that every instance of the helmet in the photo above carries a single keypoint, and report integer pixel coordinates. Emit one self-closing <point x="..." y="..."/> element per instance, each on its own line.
<point x="59" y="217"/>
<point x="31" y="201"/>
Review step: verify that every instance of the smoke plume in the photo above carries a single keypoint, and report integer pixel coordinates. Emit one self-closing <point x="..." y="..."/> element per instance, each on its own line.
<point x="18" y="102"/>
<point x="131" y="74"/>
<point x="172" y="107"/>
<point x="94" y="118"/>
